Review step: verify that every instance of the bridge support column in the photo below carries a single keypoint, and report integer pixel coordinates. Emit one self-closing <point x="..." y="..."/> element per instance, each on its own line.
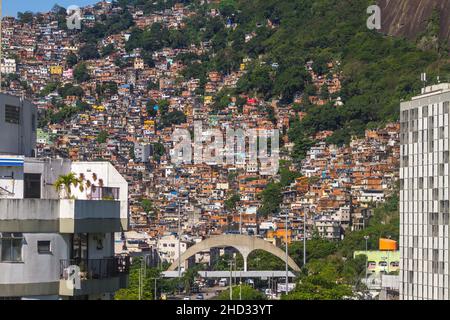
<point x="245" y="257"/>
<point x="245" y="264"/>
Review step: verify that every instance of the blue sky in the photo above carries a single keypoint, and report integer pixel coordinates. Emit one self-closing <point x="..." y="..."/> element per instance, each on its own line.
<point x="11" y="7"/>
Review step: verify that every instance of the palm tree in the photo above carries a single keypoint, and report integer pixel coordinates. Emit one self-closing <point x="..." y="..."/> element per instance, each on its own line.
<point x="66" y="181"/>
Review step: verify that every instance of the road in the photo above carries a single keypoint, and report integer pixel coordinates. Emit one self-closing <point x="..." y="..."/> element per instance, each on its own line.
<point x="208" y="293"/>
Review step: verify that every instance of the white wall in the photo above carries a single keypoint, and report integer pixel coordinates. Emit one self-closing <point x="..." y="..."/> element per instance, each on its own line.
<point x="36" y="267"/>
<point x="110" y="176"/>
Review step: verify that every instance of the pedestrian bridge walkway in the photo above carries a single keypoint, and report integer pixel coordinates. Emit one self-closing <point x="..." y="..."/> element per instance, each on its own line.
<point x="235" y="274"/>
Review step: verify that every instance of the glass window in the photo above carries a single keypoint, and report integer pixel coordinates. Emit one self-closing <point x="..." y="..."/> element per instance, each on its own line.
<point x="32" y="186"/>
<point x="43" y="247"/>
<point x="11" y="247"/>
<point x="12" y="114"/>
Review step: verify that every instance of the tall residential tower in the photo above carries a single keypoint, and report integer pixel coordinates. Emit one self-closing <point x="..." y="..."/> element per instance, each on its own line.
<point x="424" y="195"/>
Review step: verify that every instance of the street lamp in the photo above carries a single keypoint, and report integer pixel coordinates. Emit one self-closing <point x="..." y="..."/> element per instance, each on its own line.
<point x="231" y="279"/>
<point x="154" y="294"/>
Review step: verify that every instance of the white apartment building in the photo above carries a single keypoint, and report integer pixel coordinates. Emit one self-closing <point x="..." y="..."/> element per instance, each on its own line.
<point x="167" y="247"/>
<point x="44" y="233"/>
<point x="142" y="151"/>
<point x="424" y="195"/>
<point x="8" y="66"/>
<point x="58" y="244"/>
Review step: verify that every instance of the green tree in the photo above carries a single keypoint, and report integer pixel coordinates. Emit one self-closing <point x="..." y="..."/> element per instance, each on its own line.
<point x="158" y="151"/>
<point x="102" y="136"/>
<point x="147" y="283"/>
<point x="271" y="199"/>
<point x="80" y="73"/>
<point x="147" y="205"/>
<point x="71" y="60"/>
<point x="230" y="203"/>
<point x="89" y="51"/>
<point x="244" y="292"/>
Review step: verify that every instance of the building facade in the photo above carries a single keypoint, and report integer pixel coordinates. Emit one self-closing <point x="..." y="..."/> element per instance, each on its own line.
<point x="45" y="234"/>
<point x="8" y="66"/>
<point x="56" y="242"/>
<point x="18" y="126"/>
<point x="424" y="195"/>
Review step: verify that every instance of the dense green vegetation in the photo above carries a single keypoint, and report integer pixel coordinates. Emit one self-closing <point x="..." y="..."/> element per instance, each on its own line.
<point x="278" y="37"/>
<point x="132" y="292"/>
<point x="331" y="271"/>
<point x="243" y="292"/>
<point x="377" y="71"/>
<point x="271" y="199"/>
<point x="102" y="136"/>
<point x="148" y="276"/>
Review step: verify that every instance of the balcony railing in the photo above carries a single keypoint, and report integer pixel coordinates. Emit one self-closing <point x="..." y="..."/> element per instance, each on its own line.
<point x="96" y="268"/>
<point x="105" y="193"/>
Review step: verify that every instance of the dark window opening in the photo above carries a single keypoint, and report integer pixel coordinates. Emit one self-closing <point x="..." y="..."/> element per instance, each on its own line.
<point x="43" y="247"/>
<point x="32" y="186"/>
<point x="12" y="114"/>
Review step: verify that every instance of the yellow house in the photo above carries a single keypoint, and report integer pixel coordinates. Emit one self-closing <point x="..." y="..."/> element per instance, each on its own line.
<point x="99" y="108"/>
<point x="280" y="234"/>
<point x="208" y="99"/>
<point x="56" y="70"/>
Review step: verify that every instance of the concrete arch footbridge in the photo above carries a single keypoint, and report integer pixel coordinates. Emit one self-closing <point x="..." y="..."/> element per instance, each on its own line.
<point x="242" y="243"/>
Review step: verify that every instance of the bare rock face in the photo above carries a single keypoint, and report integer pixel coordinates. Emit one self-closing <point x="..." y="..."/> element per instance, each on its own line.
<point x="410" y="18"/>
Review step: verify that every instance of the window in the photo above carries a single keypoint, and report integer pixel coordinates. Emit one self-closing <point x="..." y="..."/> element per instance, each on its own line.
<point x="11" y="247"/>
<point x="420" y="183"/>
<point x="395" y="264"/>
<point x="43" y="247"/>
<point x="12" y="114"/>
<point x="32" y="186"/>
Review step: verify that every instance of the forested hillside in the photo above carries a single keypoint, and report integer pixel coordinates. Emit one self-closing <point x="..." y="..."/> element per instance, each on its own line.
<point x="277" y="38"/>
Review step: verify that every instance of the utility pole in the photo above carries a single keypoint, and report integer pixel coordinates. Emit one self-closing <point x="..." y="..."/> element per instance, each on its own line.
<point x="154" y="292"/>
<point x="287" y="254"/>
<point x="367" y="258"/>
<point x="231" y="279"/>
<point x="140" y="282"/>
<point x="304" y="236"/>
<point x="179" y="240"/>
<point x="240" y="285"/>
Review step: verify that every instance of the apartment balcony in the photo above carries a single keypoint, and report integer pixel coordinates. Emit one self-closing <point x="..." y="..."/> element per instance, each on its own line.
<point x="96" y="275"/>
<point x="60" y="216"/>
